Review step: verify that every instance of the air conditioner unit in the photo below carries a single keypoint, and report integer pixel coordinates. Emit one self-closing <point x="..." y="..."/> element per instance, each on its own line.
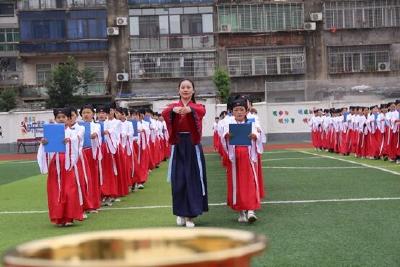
<point x="122" y="21"/>
<point x="226" y="28"/>
<point x="316" y="16"/>
<point x="112" y="31"/>
<point x="122" y="77"/>
<point x="384" y="66"/>
<point x="310" y="26"/>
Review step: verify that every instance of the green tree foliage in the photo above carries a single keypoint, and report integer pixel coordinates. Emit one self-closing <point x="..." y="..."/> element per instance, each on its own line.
<point x="223" y="83"/>
<point x="8" y="99"/>
<point x="66" y="79"/>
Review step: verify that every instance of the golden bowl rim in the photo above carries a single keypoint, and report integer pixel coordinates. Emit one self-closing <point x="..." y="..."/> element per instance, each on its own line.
<point x="257" y="243"/>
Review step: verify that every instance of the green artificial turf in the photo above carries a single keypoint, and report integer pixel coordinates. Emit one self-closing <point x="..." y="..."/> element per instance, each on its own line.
<point x="344" y="233"/>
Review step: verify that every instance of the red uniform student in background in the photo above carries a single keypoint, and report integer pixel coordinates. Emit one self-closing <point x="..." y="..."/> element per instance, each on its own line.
<point x="64" y="195"/>
<point x="82" y="170"/>
<point x="93" y="155"/>
<point x="109" y="187"/>
<point x="245" y="187"/>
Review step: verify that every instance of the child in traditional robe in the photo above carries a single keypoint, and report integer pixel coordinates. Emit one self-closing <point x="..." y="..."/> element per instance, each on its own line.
<point x="64" y="195"/>
<point x="93" y="155"/>
<point x="245" y="185"/>
<point x="142" y="172"/>
<point x="108" y="163"/>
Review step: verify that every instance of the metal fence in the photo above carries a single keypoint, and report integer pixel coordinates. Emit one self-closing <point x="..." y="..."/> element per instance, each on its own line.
<point x="355" y="89"/>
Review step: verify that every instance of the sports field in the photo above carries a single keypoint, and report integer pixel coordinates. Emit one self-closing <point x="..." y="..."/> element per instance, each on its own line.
<point x="321" y="209"/>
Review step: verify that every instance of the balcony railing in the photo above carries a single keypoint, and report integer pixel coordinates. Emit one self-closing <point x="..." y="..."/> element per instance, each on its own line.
<point x="79" y="46"/>
<point x="61" y="4"/>
<point x="172" y="43"/>
<point x="157" y="2"/>
<point x="37" y="91"/>
<point x="95" y="89"/>
<point x="10" y="78"/>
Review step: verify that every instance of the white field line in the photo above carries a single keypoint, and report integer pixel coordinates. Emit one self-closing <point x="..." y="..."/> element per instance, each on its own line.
<point x="17" y="162"/>
<point x="314" y="168"/>
<point x="353" y="162"/>
<point x="223" y="204"/>
<point x="290" y="158"/>
<point x="280" y="152"/>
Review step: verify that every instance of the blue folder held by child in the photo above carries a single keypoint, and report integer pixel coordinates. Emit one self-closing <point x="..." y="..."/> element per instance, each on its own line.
<point x="54" y="135"/>
<point x="86" y="140"/>
<point x="240" y="134"/>
<point x="135" y="127"/>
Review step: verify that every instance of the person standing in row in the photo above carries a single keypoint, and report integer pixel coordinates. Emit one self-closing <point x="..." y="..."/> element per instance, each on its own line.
<point x="187" y="170"/>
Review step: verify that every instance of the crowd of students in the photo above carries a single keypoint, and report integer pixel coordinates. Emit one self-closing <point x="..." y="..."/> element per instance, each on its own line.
<point x="243" y="163"/>
<point x="367" y="132"/>
<point x="125" y="145"/>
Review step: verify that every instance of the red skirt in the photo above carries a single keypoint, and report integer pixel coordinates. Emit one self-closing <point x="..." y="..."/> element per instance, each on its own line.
<point x="216" y="141"/>
<point x="109" y="187"/>
<point x="374" y="144"/>
<point x="86" y="184"/>
<point x="95" y="192"/>
<point x="63" y="204"/>
<point x="122" y="179"/>
<point x="142" y="171"/>
<point x="152" y="160"/>
<point x="248" y="194"/>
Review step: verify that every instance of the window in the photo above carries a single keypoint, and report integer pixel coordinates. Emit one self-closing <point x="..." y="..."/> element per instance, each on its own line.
<point x="175" y="24"/>
<point x="266" y="61"/>
<point x="86" y="28"/>
<point x="43" y="73"/>
<point x="191" y="24"/>
<point x="171" y="28"/>
<point x="351" y="59"/>
<point x="7" y="10"/>
<point x="9" y="38"/>
<point x="149" y="26"/>
<point x="171" y="65"/>
<point x="267" y="17"/>
<point x="361" y="14"/>
<point x="8" y="64"/>
<point x="48" y="29"/>
<point x="97" y="67"/>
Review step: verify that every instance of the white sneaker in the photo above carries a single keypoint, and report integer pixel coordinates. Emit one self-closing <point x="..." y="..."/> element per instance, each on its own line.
<point x="242" y="217"/>
<point x="251" y="216"/>
<point x="140" y="186"/>
<point x="85" y="216"/>
<point x="180" y="221"/>
<point x="69" y="224"/>
<point x="117" y="200"/>
<point x="189" y="223"/>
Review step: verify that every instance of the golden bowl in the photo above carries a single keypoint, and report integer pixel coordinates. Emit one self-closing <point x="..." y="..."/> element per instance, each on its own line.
<point x="164" y="247"/>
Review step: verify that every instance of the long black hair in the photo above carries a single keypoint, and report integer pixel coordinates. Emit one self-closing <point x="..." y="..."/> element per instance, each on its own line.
<point x="193" y="99"/>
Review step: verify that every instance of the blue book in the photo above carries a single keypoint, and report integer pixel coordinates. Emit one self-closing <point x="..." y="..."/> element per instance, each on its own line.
<point x="239" y="134"/>
<point x="102" y="130"/>
<point x="135" y="129"/>
<point x="86" y="138"/>
<point x="147" y="118"/>
<point x="55" y="135"/>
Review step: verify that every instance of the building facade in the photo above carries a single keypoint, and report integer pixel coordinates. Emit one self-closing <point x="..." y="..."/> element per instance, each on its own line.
<point x="279" y="51"/>
<point x="10" y="64"/>
<point x="53" y="30"/>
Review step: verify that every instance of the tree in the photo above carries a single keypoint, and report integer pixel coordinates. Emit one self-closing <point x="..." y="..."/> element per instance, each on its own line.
<point x="8" y="99"/>
<point x="66" y="79"/>
<point x="223" y="83"/>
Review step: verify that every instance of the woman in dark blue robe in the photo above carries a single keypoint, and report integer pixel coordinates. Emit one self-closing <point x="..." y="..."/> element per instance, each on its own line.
<point x="187" y="171"/>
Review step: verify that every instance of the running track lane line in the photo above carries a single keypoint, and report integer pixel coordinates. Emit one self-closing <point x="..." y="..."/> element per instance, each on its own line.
<point x="223" y="204"/>
<point x="353" y="162"/>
